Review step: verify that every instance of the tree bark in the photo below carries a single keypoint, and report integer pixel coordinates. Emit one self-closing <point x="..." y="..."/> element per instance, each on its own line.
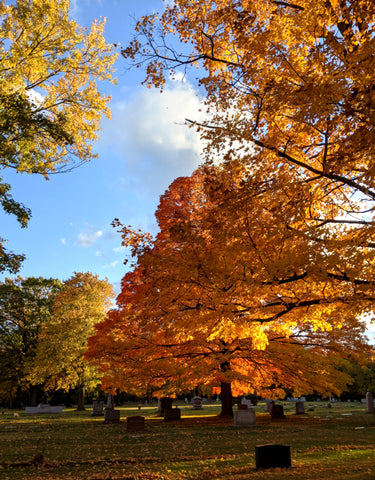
<point x="226" y="400"/>
<point x="81" y="398"/>
<point x="226" y="392"/>
<point x="33" y="391"/>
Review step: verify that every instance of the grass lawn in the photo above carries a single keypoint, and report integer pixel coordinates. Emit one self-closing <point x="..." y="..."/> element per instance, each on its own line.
<point x="335" y="444"/>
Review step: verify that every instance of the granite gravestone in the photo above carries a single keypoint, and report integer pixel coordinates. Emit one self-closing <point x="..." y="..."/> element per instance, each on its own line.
<point x="244" y="418"/>
<point x="370" y="402"/>
<point x="135" y="424"/>
<point x="272" y="456"/>
<point x="172" y="414"/>
<point x="197" y="403"/>
<point x="300" y="408"/>
<point x="277" y="412"/>
<point x="97" y="408"/>
<point x="110" y="414"/>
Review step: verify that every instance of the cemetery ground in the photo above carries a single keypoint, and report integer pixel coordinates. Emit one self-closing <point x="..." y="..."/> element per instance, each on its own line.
<point x="336" y="443"/>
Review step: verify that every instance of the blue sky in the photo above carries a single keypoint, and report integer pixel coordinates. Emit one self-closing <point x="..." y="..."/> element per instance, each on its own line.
<point x="141" y="150"/>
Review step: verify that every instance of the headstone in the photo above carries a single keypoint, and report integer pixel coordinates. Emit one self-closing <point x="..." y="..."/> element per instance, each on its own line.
<point x="197" y="403"/>
<point x="300" y="408"/>
<point x="245" y="401"/>
<point x="172" y="414"/>
<point x="242" y="407"/>
<point x="43" y="408"/>
<point x="269" y="405"/>
<point x="370" y="402"/>
<point x="277" y="412"/>
<point x="244" y="418"/>
<point x="135" y="424"/>
<point x="111" y="416"/>
<point x="272" y="456"/>
<point x="97" y="408"/>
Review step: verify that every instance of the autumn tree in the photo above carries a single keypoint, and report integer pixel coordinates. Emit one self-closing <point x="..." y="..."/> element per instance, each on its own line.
<point x="25" y="304"/>
<point x="50" y="105"/>
<point x="288" y="84"/>
<point x="232" y="293"/>
<point x="289" y="98"/>
<point x="59" y="363"/>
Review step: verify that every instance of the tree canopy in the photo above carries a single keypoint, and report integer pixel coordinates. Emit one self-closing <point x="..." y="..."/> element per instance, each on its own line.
<point x="229" y="296"/>
<point x="292" y="82"/>
<point x="50" y="105"/>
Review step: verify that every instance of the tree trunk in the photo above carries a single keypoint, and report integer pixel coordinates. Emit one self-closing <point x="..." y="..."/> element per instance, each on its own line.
<point x="34" y="391"/>
<point x="226" y="392"/>
<point x="81" y="398"/>
<point x="226" y="400"/>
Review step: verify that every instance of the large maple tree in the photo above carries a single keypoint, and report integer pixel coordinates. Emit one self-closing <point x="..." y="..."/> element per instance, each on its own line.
<point x="229" y="296"/>
<point x="264" y="265"/>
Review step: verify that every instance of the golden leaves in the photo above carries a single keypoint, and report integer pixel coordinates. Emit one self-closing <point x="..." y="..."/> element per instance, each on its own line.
<point x="52" y="59"/>
<point x="81" y="304"/>
<point x="256" y="265"/>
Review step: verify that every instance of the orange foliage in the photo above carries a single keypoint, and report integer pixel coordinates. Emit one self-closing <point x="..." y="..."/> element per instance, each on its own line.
<point x="228" y="292"/>
<point x="264" y="265"/>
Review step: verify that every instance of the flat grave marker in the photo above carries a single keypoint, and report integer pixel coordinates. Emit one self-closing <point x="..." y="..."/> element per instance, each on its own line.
<point x="44" y="408"/>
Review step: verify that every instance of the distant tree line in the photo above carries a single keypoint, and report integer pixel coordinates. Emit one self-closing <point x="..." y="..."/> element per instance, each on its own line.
<point x="44" y="327"/>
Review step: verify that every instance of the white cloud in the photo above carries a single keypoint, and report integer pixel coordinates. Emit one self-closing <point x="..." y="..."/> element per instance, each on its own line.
<point x="36" y="97"/>
<point x="119" y="249"/>
<point x="88" y="237"/>
<point x="63" y="241"/>
<point x="111" y="265"/>
<point x="151" y="136"/>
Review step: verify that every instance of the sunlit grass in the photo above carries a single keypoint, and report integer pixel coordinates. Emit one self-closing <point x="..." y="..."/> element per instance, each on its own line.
<point x="336" y="443"/>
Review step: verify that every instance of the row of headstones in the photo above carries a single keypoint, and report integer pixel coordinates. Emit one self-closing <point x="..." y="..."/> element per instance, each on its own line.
<point x="277" y="411"/>
<point x="98" y="407"/>
<point x="266" y="456"/>
<point x="300" y="405"/>
<point x="244" y="416"/>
